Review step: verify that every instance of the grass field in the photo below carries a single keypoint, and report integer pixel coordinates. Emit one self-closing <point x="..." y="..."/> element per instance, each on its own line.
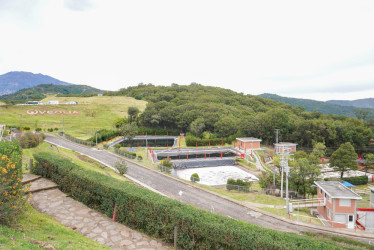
<point x="93" y="113"/>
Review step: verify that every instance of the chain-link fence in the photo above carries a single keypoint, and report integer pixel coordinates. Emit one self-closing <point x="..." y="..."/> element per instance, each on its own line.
<point x="164" y="169"/>
<point x="245" y="189"/>
<point x="119" y="152"/>
<point x="76" y="140"/>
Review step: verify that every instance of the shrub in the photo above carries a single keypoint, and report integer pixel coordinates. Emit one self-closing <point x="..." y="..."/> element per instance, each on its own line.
<point x="38" y="129"/>
<point x="167" y="163"/>
<point x="195" y="177"/>
<point x="191" y="141"/>
<point x="140" y="158"/>
<point x="12" y="194"/>
<point x="121" y="166"/>
<point x="30" y="140"/>
<point x="157" y="215"/>
<point x="50" y="130"/>
<point x="238" y="184"/>
<point x="357" y="180"/>
<point x="26" y="128"/>
<point x="55" y="129"/>
<point x="104" y="135"/>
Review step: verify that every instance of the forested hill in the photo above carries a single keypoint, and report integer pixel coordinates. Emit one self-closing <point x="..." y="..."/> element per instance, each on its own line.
<point x="330" y="107"/>
<point x="39" y="92"/>
<point x="13" y="81"/>
<point x="360" y="103"/>
<point x="197" y="109"/>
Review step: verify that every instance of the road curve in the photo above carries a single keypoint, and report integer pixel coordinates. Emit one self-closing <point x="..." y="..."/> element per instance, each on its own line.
<point x="195" y="196"/>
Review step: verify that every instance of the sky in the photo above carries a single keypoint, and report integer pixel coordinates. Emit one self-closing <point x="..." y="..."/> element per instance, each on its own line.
<point x="316" y="49"/>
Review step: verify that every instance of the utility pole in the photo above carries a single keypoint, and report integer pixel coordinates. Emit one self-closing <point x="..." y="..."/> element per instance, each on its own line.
<point x="96" y="141"/>
<point x="276" y="135"/>
<point x="63" y="126"/>
<point x="286" y="169"/>
<point x="146" y="144"/>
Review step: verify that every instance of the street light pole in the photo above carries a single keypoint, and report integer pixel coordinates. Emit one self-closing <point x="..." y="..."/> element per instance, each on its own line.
<point x="96" y="140"/>
<point x="146" y="144"/>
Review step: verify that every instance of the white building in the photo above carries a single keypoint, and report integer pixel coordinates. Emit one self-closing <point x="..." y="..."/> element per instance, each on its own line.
<point x="52" y="102"/>
<point x="72" y="102"/>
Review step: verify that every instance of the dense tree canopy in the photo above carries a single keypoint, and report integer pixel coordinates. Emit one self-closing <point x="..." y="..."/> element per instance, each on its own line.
<point x="196" y="108"/>
<point x="344" y="158"/>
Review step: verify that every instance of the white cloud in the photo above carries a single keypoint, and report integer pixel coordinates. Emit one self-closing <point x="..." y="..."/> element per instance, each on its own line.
<point x="289" y="47"/>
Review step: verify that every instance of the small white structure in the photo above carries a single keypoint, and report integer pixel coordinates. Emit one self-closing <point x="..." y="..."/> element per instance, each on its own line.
<point x="282" y="146"/>
<point x="72" y="102"/>
<point x="99" y="94"/>
<point x="53" y="102"/>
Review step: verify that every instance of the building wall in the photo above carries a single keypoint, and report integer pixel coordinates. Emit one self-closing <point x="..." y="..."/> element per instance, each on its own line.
<point x="249" y="145"/>
<point x="281" y="149"/>
<point x="332" y="206"/>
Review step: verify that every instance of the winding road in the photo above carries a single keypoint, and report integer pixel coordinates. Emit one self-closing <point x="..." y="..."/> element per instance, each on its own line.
<point x="198" y="197"/>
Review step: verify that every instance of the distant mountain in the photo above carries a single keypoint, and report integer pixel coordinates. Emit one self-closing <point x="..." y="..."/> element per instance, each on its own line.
<point x="13" y="81"/>
<point x="312" y="105"/>
<point x="39" y="92"/>
<point x="360" y="103"/>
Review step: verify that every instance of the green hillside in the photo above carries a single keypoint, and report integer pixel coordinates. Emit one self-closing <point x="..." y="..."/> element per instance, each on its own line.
<point x="224" y="113"/>
<point x="92" y="113"/>
<point x="360" y="103"/>
<point x="41" y="91"/>
<point x="329" y="107"/>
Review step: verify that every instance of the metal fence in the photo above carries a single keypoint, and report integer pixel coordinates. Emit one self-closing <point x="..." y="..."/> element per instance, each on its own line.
<point x="76" y="140"/>
<point x="164" y="169"/>
<point x="119" y="152"/>
<point x="245" y="189"/>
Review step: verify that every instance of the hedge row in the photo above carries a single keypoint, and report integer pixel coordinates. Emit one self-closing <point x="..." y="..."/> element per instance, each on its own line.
<point x="125" y="153"/>
<point x="191" y="141"/>
<point x="105" y="135"/>
<point x="356" y="180"/>
<point x="156" y="215"/>
<point x="158" y="131"/>
<point x="76" y="140"/>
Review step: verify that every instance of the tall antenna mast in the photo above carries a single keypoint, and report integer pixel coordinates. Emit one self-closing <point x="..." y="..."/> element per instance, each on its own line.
<point x="276" y="135"/>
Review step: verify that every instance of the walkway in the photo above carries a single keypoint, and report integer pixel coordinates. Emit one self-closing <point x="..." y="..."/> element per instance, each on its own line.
<point x="47" y="199"/>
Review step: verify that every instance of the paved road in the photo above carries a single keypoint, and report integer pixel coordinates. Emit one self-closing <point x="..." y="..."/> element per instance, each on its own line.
<point x="194" y="196"/>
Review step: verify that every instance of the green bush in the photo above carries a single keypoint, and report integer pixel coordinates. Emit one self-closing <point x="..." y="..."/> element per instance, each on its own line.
<point x="238" y="184"/>
<point x="105" y="135"/>
<point x="30" y="140"/>
<point x="157" y="215"/>
<point x="357" y="180"/>
<point x="121" y="166"/>
<point x="191" y="141"/>
<point x="195" y="177"/>
<point x="38" y="129"/>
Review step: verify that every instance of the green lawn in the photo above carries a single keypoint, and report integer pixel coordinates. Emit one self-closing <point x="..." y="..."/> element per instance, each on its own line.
<point x="35" y="230"/>
<point x="94" y="113"/>
<point x="77" y="158"/>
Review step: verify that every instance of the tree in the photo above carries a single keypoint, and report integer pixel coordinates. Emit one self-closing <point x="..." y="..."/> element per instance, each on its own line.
<point x="197" y="127"/>
<point x="130" y="130"/>
<point x="361" y="113"/>
<point x="303" y="174"/>
<point x="319" y="151"/>
<point x="369" y="161"/>
<point x="344" y="158"/>
<point x="119" y="122"/>
<point x="132" y="113"/>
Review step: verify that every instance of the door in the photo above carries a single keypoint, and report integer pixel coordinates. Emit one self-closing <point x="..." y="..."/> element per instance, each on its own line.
<point x="351" y="222"/>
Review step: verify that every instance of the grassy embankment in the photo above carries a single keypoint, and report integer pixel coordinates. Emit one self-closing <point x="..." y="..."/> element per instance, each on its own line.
<point x="35" y="230"/>
<point x="96" y="112"/>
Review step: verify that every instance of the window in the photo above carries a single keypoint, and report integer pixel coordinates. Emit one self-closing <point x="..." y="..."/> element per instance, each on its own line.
<point x="350" y="218"/>
<point x="329" y="213"/>
<point x="320" y="190"/>
<point x="329" y="197"/>
<point x="344" y="202"/>
<point x="341" y="218"/>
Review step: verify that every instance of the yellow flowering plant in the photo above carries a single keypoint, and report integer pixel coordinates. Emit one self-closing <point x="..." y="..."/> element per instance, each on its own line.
<point x="12" y="193"/>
